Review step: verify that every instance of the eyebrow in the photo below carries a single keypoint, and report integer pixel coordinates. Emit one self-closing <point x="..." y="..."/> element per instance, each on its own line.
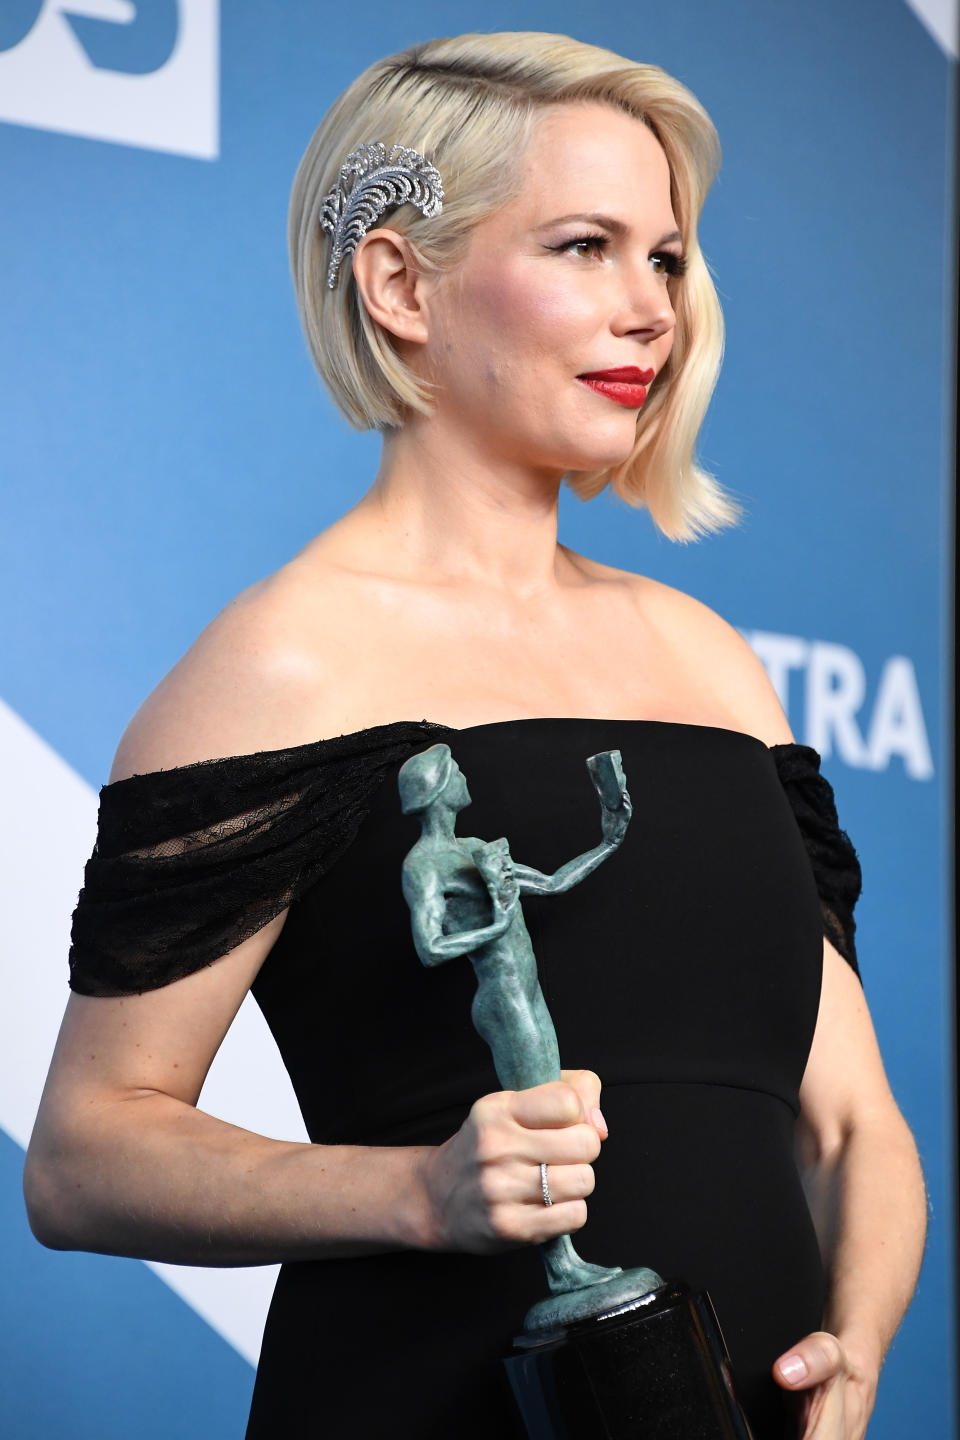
<point x="618" y="227"/>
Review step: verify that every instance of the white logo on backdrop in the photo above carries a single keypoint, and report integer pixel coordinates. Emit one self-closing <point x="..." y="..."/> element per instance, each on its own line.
<point x="834" y="717"/>
<point x="139" y="72"/>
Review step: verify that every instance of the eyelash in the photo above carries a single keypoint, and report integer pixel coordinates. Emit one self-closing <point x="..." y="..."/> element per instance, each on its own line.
<point x="675" y="264"/>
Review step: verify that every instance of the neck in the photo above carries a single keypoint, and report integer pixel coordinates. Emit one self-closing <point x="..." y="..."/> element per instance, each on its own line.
<point x="439" y="822"/>
<point x="445" y="510"/>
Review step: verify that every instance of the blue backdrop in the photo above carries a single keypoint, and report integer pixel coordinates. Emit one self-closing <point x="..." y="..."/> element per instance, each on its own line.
<point x="165" y="443"/>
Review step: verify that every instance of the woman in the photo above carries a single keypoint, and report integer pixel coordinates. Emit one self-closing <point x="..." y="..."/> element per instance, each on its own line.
<point x="536" y="308"/>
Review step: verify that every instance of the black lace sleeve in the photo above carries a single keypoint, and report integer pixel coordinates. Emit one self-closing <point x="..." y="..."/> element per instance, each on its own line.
<point x="189" y="862"/>
<point x="836" y="868"/>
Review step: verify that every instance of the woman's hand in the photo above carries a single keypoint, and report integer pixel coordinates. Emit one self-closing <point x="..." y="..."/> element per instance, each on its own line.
<point x="838" y="1392"/>
<point x="483" y="1185"/>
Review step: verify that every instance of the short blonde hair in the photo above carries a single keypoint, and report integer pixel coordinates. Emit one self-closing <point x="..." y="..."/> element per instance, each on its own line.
<point x="466" y="103"/>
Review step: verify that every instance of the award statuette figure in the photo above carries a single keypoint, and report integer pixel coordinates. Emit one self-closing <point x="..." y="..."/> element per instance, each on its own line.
<point x="609" y="1353"/>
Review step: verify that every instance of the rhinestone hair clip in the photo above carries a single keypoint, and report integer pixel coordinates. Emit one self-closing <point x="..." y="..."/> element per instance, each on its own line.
<point x="370" y="183"/>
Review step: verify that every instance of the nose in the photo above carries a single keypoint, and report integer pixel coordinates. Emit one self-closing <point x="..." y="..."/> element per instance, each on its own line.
<point x="645" y="307"/>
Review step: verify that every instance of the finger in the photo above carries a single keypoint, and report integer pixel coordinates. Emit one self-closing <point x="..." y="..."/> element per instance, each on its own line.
<point x="588" y="1086"/>
<point x="563" y="1145"/>
<point x="521" y="1184"/>
<point x="815" y="1360"/>
<point x="533" y="1225"/>
<point x="826" y="1417"/>
<point x="564" y="1182"/>
<point x="546" y="1106"/>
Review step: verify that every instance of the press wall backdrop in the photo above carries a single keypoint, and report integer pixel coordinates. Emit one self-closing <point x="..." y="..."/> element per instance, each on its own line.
<point x="165" y="443"/>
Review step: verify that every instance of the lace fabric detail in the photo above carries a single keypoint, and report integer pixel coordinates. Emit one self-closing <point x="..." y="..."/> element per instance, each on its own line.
<point x="833" y="859"/>
<point x="192" y="861"/>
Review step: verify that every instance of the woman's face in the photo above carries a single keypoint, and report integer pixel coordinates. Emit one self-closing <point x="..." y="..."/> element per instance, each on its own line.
<point x="571" y="278"/>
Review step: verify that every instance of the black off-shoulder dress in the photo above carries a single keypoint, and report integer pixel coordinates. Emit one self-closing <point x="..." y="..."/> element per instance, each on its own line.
<point x="686" y="971"/>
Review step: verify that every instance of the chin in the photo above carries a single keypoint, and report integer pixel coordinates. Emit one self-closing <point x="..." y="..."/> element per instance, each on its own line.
<point x="586" y="449"/>
<point x="599" y="457"/>
<point x="603" y="446"/>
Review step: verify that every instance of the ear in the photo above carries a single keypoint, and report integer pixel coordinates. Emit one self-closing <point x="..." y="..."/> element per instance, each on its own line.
<point x="390" y="286"/>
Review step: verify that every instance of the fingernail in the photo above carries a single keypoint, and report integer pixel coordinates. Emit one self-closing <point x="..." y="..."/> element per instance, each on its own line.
<point x="793" y="1369"/>
<point x="596" y="1115"/>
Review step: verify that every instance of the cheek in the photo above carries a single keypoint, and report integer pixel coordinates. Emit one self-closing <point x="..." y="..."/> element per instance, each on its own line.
<point x="523" y="318"/>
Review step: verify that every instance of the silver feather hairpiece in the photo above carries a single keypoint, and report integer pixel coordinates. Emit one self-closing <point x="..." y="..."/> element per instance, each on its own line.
<point x="370" y="183"/>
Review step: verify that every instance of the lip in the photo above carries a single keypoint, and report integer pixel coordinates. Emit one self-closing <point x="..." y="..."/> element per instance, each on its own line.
<point x="624" y="375"/>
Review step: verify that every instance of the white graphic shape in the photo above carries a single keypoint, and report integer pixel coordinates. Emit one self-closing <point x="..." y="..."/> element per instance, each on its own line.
<point x="940" y="18"/>
<point x="48" y="81"/>
<point x="50" y="819"/>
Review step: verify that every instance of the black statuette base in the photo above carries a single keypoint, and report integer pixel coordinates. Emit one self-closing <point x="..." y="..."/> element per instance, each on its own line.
<point x="658" y="1371"/>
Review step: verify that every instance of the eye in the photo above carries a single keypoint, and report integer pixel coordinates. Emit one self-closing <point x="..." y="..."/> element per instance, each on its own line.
<point x="664" y="262"/>
<point x="598" y="242"/>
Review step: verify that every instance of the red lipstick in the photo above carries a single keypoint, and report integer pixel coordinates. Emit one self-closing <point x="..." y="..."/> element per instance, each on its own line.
<point x="626" y="384"/>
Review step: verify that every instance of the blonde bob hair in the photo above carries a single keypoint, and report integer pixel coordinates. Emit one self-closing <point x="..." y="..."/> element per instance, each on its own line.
<point x="469" y="104"/>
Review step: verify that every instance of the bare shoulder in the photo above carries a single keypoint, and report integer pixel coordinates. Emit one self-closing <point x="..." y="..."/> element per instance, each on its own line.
<point x="249" y="682"/>
<point x="715" y="652"/>
<point x="701" y="658"/>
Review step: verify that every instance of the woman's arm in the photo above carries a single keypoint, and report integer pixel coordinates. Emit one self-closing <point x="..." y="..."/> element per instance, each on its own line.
<point x="122" y="1162"/>
<point x="856" y="1153"/>
<point x="866" y="1193"/>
